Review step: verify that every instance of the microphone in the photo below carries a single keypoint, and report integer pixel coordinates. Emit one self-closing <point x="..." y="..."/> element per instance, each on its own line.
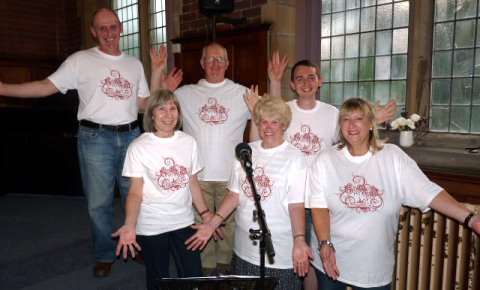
<point x="244" y="153"/>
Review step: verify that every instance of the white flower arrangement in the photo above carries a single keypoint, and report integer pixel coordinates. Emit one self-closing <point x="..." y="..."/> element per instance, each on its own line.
<point x="409" y="124"/>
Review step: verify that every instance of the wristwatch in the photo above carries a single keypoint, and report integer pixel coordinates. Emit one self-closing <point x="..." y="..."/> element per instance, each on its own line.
<point x="325" y="242"/>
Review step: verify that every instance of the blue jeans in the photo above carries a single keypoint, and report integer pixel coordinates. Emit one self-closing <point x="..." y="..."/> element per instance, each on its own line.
<point x="158" y="249"/>
<point x="325" y="283"/>
<point x="101" y="154"/>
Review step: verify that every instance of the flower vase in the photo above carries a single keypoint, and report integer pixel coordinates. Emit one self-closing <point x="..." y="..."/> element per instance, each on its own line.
<point x="406" y="138"/>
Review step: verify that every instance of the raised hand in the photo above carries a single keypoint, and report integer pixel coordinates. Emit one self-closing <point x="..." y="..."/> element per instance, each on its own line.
<point x="276" y="67"/>
<point x="385" y="113"/>
<point x="158" y="58"/>
<point x="251" y="97"/>
<point x="172" y="80"/>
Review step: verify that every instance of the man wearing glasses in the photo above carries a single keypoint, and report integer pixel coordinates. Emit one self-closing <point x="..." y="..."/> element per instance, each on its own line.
<point x="215" y="114"/>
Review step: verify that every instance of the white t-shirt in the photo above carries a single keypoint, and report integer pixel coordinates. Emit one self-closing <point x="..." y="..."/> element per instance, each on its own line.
<point x="166" y="165"/>
<point x="108" y="86"/>
<point x="215" y="114"/>
<point x="364" y="195"/>
<point x="279" y="175"/>
<point x="312" y="130"/>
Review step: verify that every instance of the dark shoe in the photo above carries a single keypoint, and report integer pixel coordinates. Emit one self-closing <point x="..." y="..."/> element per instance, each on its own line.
<point x="224" y="269"/>
<point x="102" y="269"/>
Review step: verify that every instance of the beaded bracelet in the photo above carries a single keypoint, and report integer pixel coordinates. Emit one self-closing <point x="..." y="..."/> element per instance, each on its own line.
<point x="468" y="219"/>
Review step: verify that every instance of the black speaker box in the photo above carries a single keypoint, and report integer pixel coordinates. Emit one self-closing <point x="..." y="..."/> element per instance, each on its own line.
<point x="216" y="6"/>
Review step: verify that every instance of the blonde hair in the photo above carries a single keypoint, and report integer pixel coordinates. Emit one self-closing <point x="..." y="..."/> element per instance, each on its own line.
<point x="157" y="99"/>
<point x="269" y="106"/>
<point x="363" y="106"/>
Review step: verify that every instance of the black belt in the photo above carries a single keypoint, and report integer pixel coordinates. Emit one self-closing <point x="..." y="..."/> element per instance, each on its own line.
<point x="119" y="128"/>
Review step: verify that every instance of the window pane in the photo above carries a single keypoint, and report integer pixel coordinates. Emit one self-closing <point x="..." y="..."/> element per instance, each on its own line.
<point x="462" y="91"/>
<point x="382" y="68"/>
<point x="326" y="6"/>
<point x="338" y="46"/>
<point x="476" y="91"/>
<point x="325" y="69"/>
<point x="400" y="14"/>
<point x="384" y="42"/>
<point x="382" y="92"/>
<point x="464" y="33"/>
<point x="440" y="118"/>
<point x="336" y="94"/>
<point x="367" y="41"/>
<point x="352" y="21"/>
<point x="338" y="5"/>
<point x="440" y="92"/>
<point x="460" y="119"/>
<point x="351" y="90"/>
<point x="475" y="122"/>
<point x="351" y="69"/>
<point x="325" y="53"/>
<point x="367" y="68"/>
<point x="351" y="45"/>
<point x="326" y="25"/>
<point x="399" y="91"/>
<point x="466" y="8"/>
<point x="442" y="64"/>
<point x="400" y="40"/>
<point x="444" y="10"/>
<point x="325" y="93"/>
<point x="352" y="4"/>
<point x="443" y="38"/>
<point x="463" y="63"/>
<point x="399" y="66"/>
<point x="384" y="17"/>
<point x="337" y="71"/>
<point x="338" y="23"/>
<point x="367" y="16"/>
<point x="366" y="90"/>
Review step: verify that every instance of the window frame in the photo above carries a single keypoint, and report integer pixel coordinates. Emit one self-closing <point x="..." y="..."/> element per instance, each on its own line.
<point x="419" y="57"/>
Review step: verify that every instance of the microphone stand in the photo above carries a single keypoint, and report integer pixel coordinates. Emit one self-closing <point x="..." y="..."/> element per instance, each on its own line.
<point x="263" y="233"/>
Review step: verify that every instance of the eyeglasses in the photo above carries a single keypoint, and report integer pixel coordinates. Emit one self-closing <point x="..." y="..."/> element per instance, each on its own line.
<point x="212" y="59"/>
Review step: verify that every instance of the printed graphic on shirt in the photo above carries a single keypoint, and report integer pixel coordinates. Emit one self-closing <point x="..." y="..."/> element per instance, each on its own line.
<point x="306" y="141"/>
<point x="172" y="176"/>
<point x="361" y="196"/>
<point x="115" y="86"/>
<point x="263" y="185"/>
<point x="213" y="113"/>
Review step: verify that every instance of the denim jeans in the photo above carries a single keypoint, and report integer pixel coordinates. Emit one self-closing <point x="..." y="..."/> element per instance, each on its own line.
<point x="325" y="283"/>
<point x="158" y="249"/>
<point x="101" y="154"/>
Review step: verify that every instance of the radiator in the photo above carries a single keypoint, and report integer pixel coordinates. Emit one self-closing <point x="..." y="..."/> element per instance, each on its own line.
<point x="436" y="253"/>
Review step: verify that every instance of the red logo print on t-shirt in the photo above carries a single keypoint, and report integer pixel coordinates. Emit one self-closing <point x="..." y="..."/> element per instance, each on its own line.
<point x="115" y="86"/>
<point x="263" y="184"/>
<point x="361" y="196"/>
<point x="308" y="142"/>
<point x="172" y="176"/>
<point x="213" y="113"/>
